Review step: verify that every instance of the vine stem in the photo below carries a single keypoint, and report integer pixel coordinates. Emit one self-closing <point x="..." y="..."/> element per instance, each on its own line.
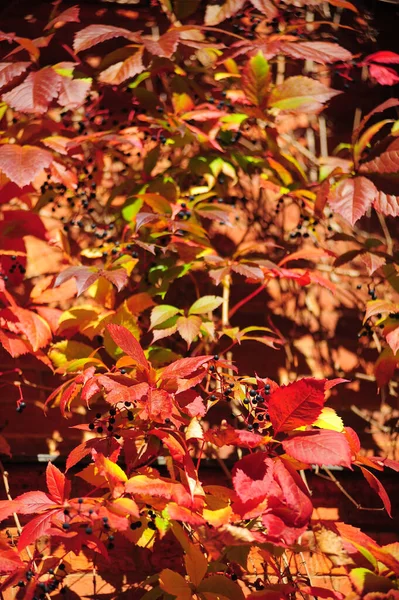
<point x="241" y="303"/>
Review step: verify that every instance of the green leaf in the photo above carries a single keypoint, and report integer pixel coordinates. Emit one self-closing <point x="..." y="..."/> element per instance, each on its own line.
<point x="132" y="208"/>
<point x="63" y="352"/>
<point x="365" y="581"/>
<point x="205" y="304"/>
<point x="301" y="93"/>
<point x="256" y="78"/>
<point x="162" y="313"/>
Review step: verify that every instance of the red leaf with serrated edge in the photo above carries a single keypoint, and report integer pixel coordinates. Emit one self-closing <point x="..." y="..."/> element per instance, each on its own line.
<point x="14" y="345"/>
<point x="10" y="560"/>
<point x="353" y="439"/>
<point x="387" y="162"/>
<point x="128" y="343"/>
<point x="84" y="276"/>
<point x="165" y="46"/>
<point x="320" y="52"/>
<point x="266" y="7"/>
<point x="36" y="528"/>
<point x="386" y="462"/>
<point x="296" y="404"/>
<point x="33" y="502"/>
<point x="385" y="57"/>
<point x="73" y="92"/>
<point x="351" y="198"/>
<point x="387" y="204"/>
<point x="22" y="164"/>
<point x="70" y="15"/>
<point x="322" y="447"/>
<point x="377" y="486"/>
<point x="183" y="367"/>
<point x="96" y="34"/>
<point x="10" y="70"/>
<point x="118" y="277"/>
<point x="36" y="329"/>
<point x="36" y="92"/>
<point x="58" y="486"/>
<point x="290" y="503"/>
<point x="279" y="533"/>
<point x="158" y="405"/>
<point x="121" y="71"/>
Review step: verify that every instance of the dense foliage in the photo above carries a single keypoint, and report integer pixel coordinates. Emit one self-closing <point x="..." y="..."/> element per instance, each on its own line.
<point x="157" y="166"/>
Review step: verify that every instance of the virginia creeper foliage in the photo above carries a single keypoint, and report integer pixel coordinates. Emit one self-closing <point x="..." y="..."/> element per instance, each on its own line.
<point x="157" y="166"/>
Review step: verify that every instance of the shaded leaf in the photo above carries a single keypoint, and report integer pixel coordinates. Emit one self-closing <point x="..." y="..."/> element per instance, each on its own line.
<point x="36" y="92"/>
<point x="351" y="198"/>
<point x="300" y="93"/>
<point x="96" y="34"/>
<point x="10" y="70"/>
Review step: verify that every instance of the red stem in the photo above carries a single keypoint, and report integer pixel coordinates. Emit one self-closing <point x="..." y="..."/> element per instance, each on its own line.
<point x="245" y="300"/>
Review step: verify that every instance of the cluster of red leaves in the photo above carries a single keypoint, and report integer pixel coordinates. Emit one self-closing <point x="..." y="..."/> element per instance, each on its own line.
<point x="144" y="198"/>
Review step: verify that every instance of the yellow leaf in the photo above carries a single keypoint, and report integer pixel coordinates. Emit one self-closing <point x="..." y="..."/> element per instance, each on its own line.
<point x="218" y="517"/>
<point x="196" y="564"/>
<point x="125" y="507"/>
<point x="173" y="583"/>
<point x="194" y="430"/>
<point x="328" y="419"/>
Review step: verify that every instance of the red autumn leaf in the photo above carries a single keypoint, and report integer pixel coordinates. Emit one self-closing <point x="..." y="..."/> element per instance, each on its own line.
<point x="296" y="404"/>
<point x="84" y="277"/>
<point x="351" y="198"/>
<point x="184" y="367"/>
<point x="387" y="204"/>
<point x="14" y="345"/>
<point x="10" y="561"/>
<point x="320" y="52"/>
<point x="353" y="439"/>
<point x="321" y="447"/>
<point x="385" y="57"/>
<point x="377" y="486"/>
<point x="358" y="538"/>
<point x="22" y="164"/>
<point x="32" y="502"/>
<point x="10" y="70"/>
<point x="121" y="71"/>
<point x="96" y="34"/>
<point x="35" y="529"/>
<point x="128" y="343"/>
<point x="158" y="405"/>
<point x="36" y="92"/>
<point x="118" y="277"/>
<point x="181" y="513"/>
<point x="70" y="15"/>
<point x="253" y="476"/>
<point x="266" y="7"/>
<point x="73" y="92"/>
<point x="289" y="502"/>
<point x="191" y="403"/>
<point x="278" y="532"/>
<point x="383" y="75"/>
<point x="387" y="162"/>
<point x="58" y="486"/>
<point x="165" y="46"/>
